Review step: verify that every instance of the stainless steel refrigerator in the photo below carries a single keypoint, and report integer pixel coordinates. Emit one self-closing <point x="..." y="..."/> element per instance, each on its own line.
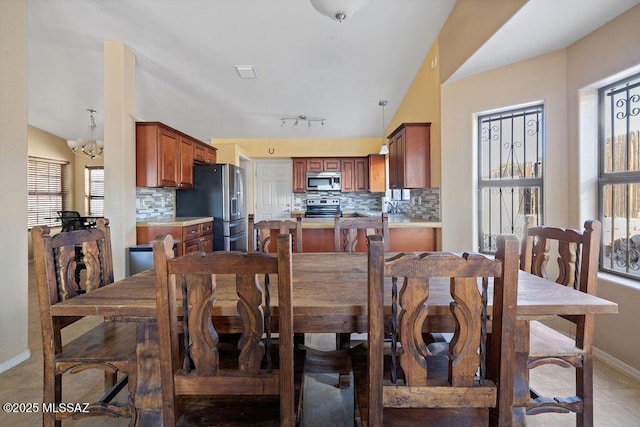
<point x="218" y="191"/>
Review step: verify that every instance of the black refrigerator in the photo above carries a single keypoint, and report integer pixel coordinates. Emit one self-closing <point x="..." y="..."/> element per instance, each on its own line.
<point x="218" y="191"/>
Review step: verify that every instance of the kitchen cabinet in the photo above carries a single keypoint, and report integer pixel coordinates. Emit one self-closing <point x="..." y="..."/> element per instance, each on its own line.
<point x="361" y="174"/>
<point x="355" y="174"/>
<point x="377" y="173"/>
<point x="165" y="156"/>
<point x="156" y="155"/>
<point x="410" y="156"/>
<point x="188" y="238"/>
<point x="355" y="171"/>
<point x="185" y="165"/>
<point x="415" y="239"/>
<point x="322" y="164"/>
<point x="203" y="154"/>
<point x="347" y="167"/>
<point x="299" y="175"/>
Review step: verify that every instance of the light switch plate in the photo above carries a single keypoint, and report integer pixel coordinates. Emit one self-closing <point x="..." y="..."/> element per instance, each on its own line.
<point x="396" y="194"/>
<point x="406" y="194"/>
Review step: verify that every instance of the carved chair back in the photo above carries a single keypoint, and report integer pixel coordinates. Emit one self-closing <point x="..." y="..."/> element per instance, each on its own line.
<point x="197" y="369"/>
<point x="346" y="231"/>
<point x="577" y="253"/>
<point x="260" y="233"/>
<point x="56" y="262"/>
<point x="109" y="346"/>
<point x="577" y="256"/>
<point x="465" y="377"/>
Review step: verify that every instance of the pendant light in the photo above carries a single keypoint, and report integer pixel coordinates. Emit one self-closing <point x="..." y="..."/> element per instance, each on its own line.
<point x="384" y="148"/>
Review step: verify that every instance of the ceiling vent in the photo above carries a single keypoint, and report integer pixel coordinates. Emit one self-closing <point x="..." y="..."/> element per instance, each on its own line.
<point x="246" y="71"/>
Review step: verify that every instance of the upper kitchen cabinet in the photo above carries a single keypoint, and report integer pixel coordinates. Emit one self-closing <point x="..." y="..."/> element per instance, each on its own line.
<point x="355" y="174"/>
<point x="165" y="156"/>
<point x="323" y="165"/>
<point x="410" y="156"/>
<point x="156" y="155"/>
<point x="185" y="166"/>
<point x="299" y="175"/>
<point x="376" y="173"/>
<point x="204" y="154"/>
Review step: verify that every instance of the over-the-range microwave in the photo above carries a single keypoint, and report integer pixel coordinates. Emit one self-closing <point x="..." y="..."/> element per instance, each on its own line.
<point x="323" y="181"/>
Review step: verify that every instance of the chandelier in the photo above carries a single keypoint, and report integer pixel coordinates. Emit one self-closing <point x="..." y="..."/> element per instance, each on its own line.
<point x="339" y="10"/>
<point x="90" y="147"/>
<point x="296" y="120"/>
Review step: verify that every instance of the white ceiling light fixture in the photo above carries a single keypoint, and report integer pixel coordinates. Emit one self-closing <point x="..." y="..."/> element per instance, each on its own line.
<point x="339" y="10"/>
<point x="301" y="118"/>
<point x="384" y="148"/>
<point x="90" y="147"/>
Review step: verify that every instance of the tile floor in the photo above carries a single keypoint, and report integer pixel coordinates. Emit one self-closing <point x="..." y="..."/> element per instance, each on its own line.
<point x="617" y="397"/>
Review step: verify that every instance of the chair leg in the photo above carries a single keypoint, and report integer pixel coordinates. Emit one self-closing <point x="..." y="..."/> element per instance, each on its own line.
<point x="52" y="394"/>
<point x="584" y="390"/>
<point x="343" y="342"/>
<point x="110" y="379"/>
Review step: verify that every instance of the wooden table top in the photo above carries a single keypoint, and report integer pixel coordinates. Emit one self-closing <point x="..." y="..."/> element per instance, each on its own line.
<point x="329" y="295"/>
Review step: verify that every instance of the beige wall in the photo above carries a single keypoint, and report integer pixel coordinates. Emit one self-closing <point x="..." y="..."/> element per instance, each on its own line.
<point x="422" y="104"/>
<point x="541" y="79"/>
<point x="605" y="55"/>
<point x="278" y="148"/>
<point x="565" y="82"/>
<point x="13" y="174"/>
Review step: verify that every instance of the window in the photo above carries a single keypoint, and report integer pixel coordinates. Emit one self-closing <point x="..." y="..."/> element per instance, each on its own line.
<point x="94" y="190"/>
<point x="47" y="183"/>
<point x="510" y="158"/>
<point x="619" y="176"/>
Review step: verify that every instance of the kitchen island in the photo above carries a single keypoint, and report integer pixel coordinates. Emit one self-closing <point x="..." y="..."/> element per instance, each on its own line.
<point x="406" y="234"/>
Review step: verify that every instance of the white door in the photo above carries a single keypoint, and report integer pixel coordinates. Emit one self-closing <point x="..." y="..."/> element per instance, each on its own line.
<point x="274" y="189"/>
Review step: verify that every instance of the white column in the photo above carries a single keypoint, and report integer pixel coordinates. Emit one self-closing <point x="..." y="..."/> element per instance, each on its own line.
<point x="13" y="174"/>
<point x="120" y="150"/>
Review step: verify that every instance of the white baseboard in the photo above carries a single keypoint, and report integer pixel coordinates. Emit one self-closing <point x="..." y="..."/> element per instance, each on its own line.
<point x="616" y="364"/>
<point x="15" y="361"/>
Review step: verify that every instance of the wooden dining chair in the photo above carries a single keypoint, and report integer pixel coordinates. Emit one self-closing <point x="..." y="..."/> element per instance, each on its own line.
<point x="346" y="234"/>
<point x="201" y="368"/>
<point x="260" y="232"/>
<point x="577" y="255"/>
<point x="402" y="383"/>
<point x="346" y="231"/>
<point x="109" y="346"/>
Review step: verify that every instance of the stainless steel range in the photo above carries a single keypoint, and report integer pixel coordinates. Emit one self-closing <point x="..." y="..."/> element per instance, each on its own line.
<point x="323" y="208"/>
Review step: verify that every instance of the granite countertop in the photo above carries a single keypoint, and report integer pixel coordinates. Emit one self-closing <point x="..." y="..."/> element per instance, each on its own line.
<point x="174" y="221"/>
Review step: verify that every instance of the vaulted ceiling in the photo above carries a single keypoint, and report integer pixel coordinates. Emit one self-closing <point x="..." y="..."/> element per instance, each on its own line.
<point x="305" y="63"/>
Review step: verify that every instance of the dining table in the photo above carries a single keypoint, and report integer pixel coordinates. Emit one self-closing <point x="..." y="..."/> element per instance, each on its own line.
<point x="329" y="296"/>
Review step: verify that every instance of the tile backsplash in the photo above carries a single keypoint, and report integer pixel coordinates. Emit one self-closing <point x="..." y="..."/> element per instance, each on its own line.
<point x="154" y="203"/>
<point x="424" y="203"/>
<point x="348" y="201"/>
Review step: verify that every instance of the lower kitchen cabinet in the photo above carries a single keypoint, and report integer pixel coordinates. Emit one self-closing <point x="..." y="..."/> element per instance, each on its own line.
<point x="405" y="239"/>
<point x="190" y="238"/>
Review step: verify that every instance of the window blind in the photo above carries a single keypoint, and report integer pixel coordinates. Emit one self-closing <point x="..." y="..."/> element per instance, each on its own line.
<point x="48" y="189"/>
<point x="94" y="187"/>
